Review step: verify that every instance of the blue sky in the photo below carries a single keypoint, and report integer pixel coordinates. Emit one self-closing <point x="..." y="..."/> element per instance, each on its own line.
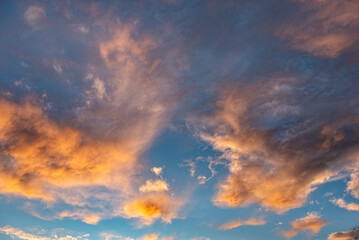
<point x="170" y="119"/>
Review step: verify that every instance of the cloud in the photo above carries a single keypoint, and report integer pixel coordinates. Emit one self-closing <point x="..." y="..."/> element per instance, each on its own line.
<point x="353" y="185"/>
<point x="16" y="233"/>
<point x="349" y="235"/>
<point x="152" y="206"/>
<point x="343" y="204"/>
<point x="99" y="87"/>
<point x="35" y="16"/>
<point x="153" y="236"/>
<point x="240" y="222"/>
<point x="154" y="186"/>
<point x="312" y="223"/>
<point x="173" y="237"/>
<point x="328" y="29"/>
<point x="112" y="236"/>
<point x="40" y="154"/>
<point x="57" y="67"/>
<point x="264" y="129"/>
<point x="82" y="164"/>
<point x="157" y="170"/>
<point x="192" y="166"/>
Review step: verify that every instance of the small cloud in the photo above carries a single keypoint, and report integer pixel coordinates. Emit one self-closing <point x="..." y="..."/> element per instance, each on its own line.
<point x="240" y="222"/>
<point x="24" y="64"/>
<point x="99" y="88"/>
<point x="35" y="17"/>
<point x="113" y="236"/>
<point x="154" y="186"/>
<point x="202" y="179"/>
<point x="151" y="207"/>
<point x="353" y="185"/>
<point x="81" y="29"/>
<point x="157" y="170"/>
<point x="153" y="236"/>
<point x="343" y="204"/>
<point x="192" y="166"/>
<point x="57" y="67"/>
<point x="328" y="194"/>
<point x="312" y="223"/>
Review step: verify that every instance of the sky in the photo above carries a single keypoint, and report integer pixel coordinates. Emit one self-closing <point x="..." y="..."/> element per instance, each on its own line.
<point x="179" y="120"/>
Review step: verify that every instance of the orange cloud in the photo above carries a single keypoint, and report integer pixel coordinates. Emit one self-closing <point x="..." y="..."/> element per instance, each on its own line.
<point x="328" y="30"/>
<point x="152" y="206"/>
<point x="312" y="222"/>
<point x="40" y="154"/>
<point x="270" y="163"/>
<point x="240" y="222"/>
<point x="348" y="235"/>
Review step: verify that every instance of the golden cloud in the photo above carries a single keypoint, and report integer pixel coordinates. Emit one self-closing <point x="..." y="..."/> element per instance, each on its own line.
<point x="152" y="206"/>
<point x="153" y="236"/>
<point x="39" y="153"/>
<point x="312" y="222"/>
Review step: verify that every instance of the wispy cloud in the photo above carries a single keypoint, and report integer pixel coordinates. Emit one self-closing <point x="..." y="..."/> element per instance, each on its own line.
<point x="327" y="29"/>
<point x="240" y="222"/>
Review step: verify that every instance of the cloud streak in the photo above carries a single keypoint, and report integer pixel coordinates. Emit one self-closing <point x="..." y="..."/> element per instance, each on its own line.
<point x="240" y="222"/>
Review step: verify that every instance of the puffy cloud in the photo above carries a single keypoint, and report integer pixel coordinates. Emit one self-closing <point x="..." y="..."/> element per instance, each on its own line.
<point x="265" y="131"/>
<point x="240" y="222"/>
<point x="152" y="206"/>
<point x="328" y="29"/>
<point x="154" y="186"/>
<point x="312" y="222"/>
<point x="343" y="204"/>
<point x="16" y="233"/>
<point x="349" y="235"/>
<point x="35" y="16"/>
